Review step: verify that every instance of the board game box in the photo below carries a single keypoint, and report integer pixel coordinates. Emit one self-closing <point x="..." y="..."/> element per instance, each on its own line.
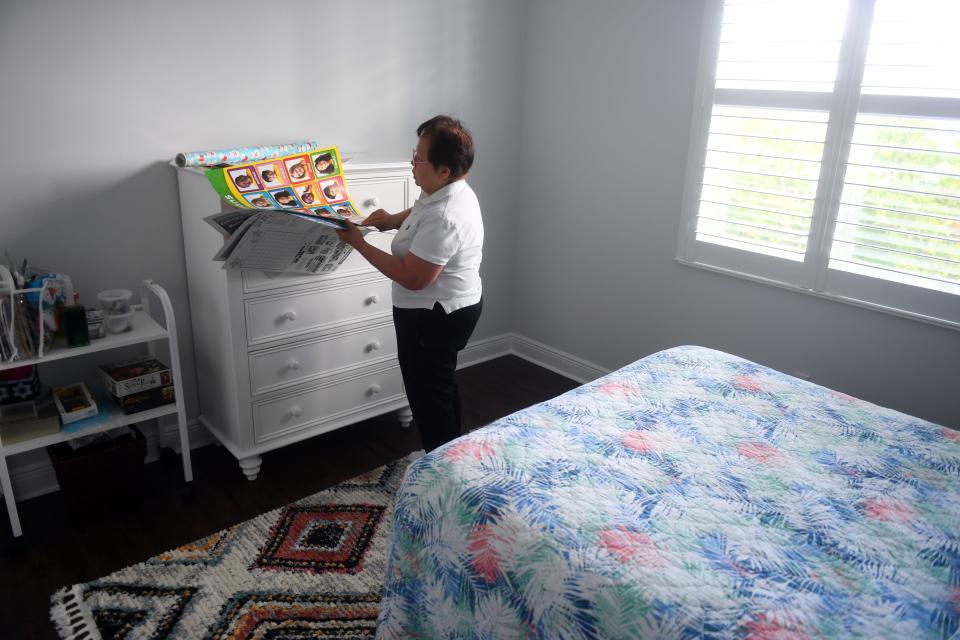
<point x="149" y="399"/>
<point x="134" y="376"/>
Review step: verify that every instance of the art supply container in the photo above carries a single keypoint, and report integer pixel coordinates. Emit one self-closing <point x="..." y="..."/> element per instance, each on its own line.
<point x="115" y="301"/>
<point x="118" y="322"/>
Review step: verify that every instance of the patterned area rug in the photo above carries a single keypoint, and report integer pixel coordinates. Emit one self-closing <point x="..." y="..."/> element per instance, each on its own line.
<point x="311" y="569"/>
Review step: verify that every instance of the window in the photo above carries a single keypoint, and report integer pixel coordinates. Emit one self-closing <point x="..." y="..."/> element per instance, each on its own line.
<point x="825" y="151"/>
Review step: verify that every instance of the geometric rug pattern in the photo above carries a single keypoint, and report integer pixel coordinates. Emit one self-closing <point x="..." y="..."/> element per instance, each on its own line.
<point x="311" y="569"/>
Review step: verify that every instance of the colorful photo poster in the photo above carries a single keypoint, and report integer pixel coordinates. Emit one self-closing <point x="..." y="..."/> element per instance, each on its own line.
<point x="271" y="174"/>
<point x="308" y="183"/>
<point x="307" y="195"/>
<point x="244" y="179"/>
<point x="260" y="201"/>
<point x="345" y="211"/>
<point x="298" y="168"/>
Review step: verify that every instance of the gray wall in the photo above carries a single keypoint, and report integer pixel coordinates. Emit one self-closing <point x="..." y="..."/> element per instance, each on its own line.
<point x="606" y="118"/>
<point x="581" y="112"/>
<point x="98" y="96"/>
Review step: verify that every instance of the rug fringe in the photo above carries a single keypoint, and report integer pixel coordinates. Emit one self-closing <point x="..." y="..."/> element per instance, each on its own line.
<point x="71" y="618"/>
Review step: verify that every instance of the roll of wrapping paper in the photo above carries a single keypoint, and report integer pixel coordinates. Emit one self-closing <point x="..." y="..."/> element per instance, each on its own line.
<point x="238" y="155"/>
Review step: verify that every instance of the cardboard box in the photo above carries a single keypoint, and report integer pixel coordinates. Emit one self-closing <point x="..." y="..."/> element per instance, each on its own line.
<point x="74" y="402"/>
<point x="149" y="399"/>
<point x="134" y="376"/>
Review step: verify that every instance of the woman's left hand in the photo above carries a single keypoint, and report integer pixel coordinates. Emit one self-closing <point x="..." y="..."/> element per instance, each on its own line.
<point x="351" y="235"/>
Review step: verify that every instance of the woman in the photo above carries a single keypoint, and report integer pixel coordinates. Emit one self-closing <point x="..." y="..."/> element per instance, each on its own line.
<point x="435" y="268"/>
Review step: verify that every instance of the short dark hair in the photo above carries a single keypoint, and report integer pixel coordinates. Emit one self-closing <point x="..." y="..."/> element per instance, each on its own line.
<point x="451" y="145"/>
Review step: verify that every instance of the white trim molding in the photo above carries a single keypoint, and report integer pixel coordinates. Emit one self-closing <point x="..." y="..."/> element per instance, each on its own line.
<point x="556" y="360"/>
<point x="478" y="351"/>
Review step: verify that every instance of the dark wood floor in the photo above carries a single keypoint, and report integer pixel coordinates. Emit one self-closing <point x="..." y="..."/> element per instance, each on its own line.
<point x="60" y="548"/>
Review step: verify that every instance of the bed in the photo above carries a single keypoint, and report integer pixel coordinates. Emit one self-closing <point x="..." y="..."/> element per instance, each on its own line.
<point x="689" y="494"/>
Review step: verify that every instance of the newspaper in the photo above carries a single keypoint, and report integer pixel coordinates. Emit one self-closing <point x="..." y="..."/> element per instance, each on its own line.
<point x="279" y="241"/>
<point x="285" y="210"/>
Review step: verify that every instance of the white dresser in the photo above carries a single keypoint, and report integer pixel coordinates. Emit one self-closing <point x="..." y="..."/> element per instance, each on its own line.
<point x="284" y="357"/>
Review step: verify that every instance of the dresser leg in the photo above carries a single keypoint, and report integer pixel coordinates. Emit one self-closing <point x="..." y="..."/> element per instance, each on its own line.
<point x="251" y="466"/>
<point x="405" y="416"/>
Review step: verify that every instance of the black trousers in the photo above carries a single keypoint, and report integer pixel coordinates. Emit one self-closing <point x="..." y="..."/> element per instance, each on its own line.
<point x="428" y="341"/>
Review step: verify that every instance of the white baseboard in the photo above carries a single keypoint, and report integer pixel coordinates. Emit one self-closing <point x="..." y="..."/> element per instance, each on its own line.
<point x="170" y="436"/>
<point x="37" y="478"/>
<point x="555" y="360"/>
<point x="536" y="352"/>
<point x="34" y="479"/>
<point x="478" y="351"/>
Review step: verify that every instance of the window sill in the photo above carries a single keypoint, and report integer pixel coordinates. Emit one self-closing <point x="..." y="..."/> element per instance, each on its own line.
<point x="826" y="295"/>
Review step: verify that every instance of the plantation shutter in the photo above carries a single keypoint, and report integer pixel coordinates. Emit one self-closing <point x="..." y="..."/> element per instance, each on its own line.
<point x="825" y="153"/>
<point x="764" y="156"/>
<point x="899" y="214"/>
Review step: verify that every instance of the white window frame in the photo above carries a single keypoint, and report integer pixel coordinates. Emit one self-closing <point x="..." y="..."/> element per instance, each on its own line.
<point x="812" y="276"/>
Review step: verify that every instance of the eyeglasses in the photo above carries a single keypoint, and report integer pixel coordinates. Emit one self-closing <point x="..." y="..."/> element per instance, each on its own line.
<point x="415" y="158"/>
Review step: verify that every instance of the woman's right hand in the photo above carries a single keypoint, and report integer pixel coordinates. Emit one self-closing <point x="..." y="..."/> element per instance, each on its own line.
<point x="380" y="219"/>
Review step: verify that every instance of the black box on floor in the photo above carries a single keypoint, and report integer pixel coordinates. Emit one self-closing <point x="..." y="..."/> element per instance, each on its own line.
<point x="103" y="474"/>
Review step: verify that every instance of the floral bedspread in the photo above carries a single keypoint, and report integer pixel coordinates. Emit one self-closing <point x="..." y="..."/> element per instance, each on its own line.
<point x="690" y="494"/>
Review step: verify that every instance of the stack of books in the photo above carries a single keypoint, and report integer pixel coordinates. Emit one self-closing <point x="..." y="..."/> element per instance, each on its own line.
<point x="28" y="420"/>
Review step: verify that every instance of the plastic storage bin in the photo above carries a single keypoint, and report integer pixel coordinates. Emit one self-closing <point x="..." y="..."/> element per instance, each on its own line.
<point x="115" y="301"/>
<point x="118" y="322"/>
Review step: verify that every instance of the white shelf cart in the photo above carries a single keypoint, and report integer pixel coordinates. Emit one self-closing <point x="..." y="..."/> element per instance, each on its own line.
<point x="145" y="330"/>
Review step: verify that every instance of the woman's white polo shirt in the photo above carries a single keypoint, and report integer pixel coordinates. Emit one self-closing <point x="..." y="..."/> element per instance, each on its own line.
<point x="444" y="228"/>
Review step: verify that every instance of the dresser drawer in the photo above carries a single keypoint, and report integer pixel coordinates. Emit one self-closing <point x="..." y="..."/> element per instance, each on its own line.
<point x="274" y="368"/>
<point x="279" y="417"/>
<point x="260" y="281"/>
<point x="289" y="315"/>
<point x="390" y="194"/>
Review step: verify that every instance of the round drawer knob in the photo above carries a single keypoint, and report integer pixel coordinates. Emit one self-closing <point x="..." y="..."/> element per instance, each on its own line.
<point x="373" y="390"/>
<point x="372" y="201"/>
<point x="293" y="365"/>
<point x="373" y="346"/>
<point x="296" y="412"/>
<point x="290" y="315"/>
<point x="374" y="299"/>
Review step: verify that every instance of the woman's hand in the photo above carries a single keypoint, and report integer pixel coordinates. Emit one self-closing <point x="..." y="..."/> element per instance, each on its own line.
<point x="380" y="219"/>
<point x="351" y="235"/>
